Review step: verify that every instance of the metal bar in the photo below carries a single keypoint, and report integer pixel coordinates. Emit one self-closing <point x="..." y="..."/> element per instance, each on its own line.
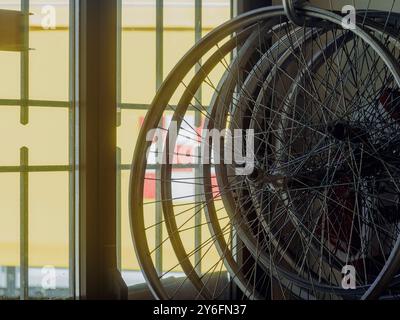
<point x="72" y="139"/>
<point x="119" y="119"/>
<point x="76" y="13"/>
<point x="11" y="275"/>
<point x="66" y="104"/>
<point x="35" y="103"/>
<point x="20" y="169"/>
<point x="24" y="117"/>
<point x="159" y="80"/>
<point x="198" y="172"/>
<point x="99" y="275"/>
<point x="119" y="209"/>
<point x="24" y="224"/>
<point x="159" y="43"/>
<point x="134" y="106"/>
<point x="119" y="61"/>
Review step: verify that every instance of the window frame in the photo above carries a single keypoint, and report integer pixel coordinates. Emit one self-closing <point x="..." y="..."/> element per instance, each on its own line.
<point x="24" y="168"/>
<point x="95" y="161"/>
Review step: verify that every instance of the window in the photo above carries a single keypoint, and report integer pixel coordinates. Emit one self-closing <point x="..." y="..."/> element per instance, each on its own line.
<point x="37" y="176"/>
<point x="37" y="110"/>
<point x="154" y="35"/>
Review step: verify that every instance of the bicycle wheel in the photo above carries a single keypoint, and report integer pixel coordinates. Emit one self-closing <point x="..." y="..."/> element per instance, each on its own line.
<point x="244" y="242"/>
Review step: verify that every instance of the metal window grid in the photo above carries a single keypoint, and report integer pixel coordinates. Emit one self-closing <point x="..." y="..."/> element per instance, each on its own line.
<point x="24" y="169"/>
<point x="72" y="168"/>
<point x="160" y="29"/>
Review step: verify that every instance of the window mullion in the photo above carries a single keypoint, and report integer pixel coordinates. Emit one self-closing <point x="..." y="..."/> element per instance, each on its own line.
<point x="99" y="274"/>
<point x="24" y="175"/>
<point x="159" y="80"/>
<point x="73" y="151"/>
<point x="198" y="172"/>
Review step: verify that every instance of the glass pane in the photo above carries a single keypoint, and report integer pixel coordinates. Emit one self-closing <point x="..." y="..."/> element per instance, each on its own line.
<point x="48" y="235"/>
<point x="36" y="177"/>
<point x="9" y="233"/>
<point x="179" y="35"/>
<point x="215" y="12"/>
<point x="47" y="136"/>
<point x="130" y="265"/>
<point x="49" y="57"/>
<point x="138" y="82"/>
<point x="128" y="131"/>
<point x="10" y="127"/>
<point x="9" y="75"/>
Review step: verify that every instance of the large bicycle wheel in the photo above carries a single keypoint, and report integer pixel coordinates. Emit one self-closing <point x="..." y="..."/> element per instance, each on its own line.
<point x="257" y="230"/>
